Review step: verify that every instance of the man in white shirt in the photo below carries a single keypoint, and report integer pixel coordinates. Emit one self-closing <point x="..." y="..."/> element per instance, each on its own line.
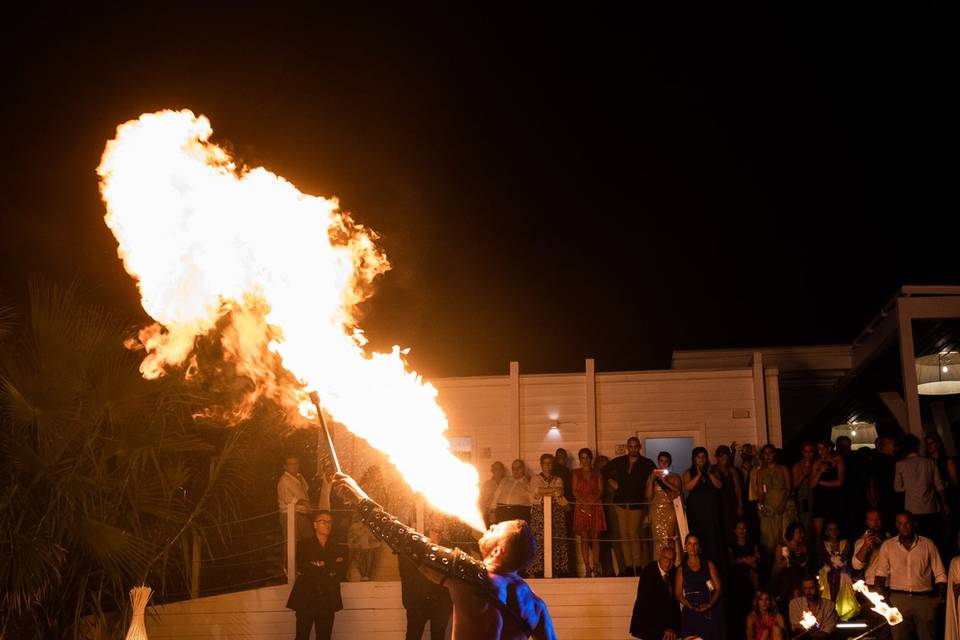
<point x="824" y="610"/>
<point x="514" y="497"/>
<point x="866" y="550"/>
<point x="918" y="478"/>
<point x="908" y="568"/>
<point x="292" y="487"/>
<point x="488" y="492"/>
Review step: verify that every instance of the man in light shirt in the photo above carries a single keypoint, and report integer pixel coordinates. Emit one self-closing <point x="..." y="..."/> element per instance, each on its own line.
<point x="824" y="610"/>
<point x="866" y="550"/>
<point x="488" y="492"/>
<point x="908" y="568"/>
<point x="919" y="480"/>
<point x="292" y="487"/>
<point x="514" y="497"/>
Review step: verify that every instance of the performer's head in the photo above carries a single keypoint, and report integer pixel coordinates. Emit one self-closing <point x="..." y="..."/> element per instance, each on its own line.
<point x="508" y="546"/>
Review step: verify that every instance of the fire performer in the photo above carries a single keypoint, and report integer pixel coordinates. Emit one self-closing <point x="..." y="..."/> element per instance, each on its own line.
<point x="490" y="600"/>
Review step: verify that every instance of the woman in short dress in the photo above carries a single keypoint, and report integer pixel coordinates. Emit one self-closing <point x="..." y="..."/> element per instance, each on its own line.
<point x="588" y="517"/>
<point x="827" y="483"/>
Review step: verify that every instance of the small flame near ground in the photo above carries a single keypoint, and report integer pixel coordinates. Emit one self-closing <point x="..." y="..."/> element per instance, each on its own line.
<point x="277" y="276"/>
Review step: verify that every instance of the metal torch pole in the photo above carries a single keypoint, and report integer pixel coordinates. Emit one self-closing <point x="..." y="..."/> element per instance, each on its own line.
<point x="323" y="435"/>
<point x="869" y="631"/>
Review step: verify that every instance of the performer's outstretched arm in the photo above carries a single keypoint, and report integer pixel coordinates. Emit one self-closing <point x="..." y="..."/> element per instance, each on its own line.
<point x="436" y="561"/>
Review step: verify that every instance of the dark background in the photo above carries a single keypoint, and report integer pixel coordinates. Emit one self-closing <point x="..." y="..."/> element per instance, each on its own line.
<point x="549" y="185"/>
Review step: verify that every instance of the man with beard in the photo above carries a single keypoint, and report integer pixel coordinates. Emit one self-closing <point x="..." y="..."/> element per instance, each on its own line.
<point x="490" y="599"/>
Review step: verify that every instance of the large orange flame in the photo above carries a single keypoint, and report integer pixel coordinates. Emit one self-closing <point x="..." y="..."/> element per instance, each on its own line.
<point x="280" y="274"/>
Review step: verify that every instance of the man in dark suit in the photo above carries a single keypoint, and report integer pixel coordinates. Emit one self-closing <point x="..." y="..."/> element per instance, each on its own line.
<point x="321" y="565"/>
<point x="656" y="613"/>
<point x="423" y="598"/>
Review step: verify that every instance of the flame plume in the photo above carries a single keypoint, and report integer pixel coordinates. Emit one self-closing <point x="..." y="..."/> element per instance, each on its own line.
<point x="892" y="614"/>
<point x="279" y="275"/>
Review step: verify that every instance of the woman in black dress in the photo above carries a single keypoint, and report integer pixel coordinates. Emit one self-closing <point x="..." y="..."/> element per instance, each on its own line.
<point x="744" y="580"/>
<point x="703" y="502"/>
<point x="827" y="482"/>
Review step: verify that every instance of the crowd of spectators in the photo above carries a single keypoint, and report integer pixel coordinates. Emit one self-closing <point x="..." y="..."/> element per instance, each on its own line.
<point x="766" y="541"/>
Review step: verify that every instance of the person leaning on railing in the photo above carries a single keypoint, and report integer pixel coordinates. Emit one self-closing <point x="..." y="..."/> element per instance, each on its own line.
<point x="627" y="476"/>
<point x="514" y="495"/>
<point x="293" y="487"/>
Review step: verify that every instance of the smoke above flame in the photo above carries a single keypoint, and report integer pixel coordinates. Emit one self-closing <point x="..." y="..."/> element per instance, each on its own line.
<point x="276" y="275"/>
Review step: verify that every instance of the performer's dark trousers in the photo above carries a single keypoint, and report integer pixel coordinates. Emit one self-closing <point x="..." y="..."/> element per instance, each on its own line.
<point x="417" y="619"/>
<point x="306" y="618"/>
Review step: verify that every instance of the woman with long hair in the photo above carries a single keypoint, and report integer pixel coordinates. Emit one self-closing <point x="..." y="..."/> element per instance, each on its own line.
<point x="662" y="488"/>
<point x="791" y="564"/>
<point x="774" y="492"/>
<point x="743" y="578"/>
<point x="698" y="588"/>
<point x="764" y="621"/>
<point x="827" y="481"/>
<point x="800" y="476"/>
<point x="834" y="576"/>
<point x="588" y="517"/>
<point x="703" y="504"/>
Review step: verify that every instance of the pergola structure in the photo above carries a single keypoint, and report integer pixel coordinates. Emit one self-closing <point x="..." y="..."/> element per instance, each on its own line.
<point x="882" y="381"/>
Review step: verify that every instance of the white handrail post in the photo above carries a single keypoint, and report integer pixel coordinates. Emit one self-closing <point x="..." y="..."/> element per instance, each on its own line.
<point x="291" y="541"/>
<point x="547" y="536"/>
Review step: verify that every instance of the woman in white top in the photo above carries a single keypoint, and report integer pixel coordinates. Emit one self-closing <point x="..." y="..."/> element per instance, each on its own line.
<point x="547" y="484"/>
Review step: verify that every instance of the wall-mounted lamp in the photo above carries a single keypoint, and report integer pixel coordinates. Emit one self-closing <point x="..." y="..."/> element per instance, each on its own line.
<point x="555" y="425"/>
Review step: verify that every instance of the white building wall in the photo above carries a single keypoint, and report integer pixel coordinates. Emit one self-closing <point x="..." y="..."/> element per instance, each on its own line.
<point x="712" y="406"/>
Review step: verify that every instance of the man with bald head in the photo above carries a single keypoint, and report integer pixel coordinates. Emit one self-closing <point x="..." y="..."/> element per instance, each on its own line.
<point x="656" y="612"/>
<point x="627" y="477"/>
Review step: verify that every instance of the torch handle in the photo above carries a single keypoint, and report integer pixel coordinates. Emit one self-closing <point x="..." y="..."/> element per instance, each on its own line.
<point x="315" y="398"/>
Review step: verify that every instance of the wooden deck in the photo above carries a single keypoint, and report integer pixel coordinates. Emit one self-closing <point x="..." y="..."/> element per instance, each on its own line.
<point x="582" y="609"/>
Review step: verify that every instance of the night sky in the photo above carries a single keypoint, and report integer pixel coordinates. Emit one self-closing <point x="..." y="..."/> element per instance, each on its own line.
<point x="549" y="186"/>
